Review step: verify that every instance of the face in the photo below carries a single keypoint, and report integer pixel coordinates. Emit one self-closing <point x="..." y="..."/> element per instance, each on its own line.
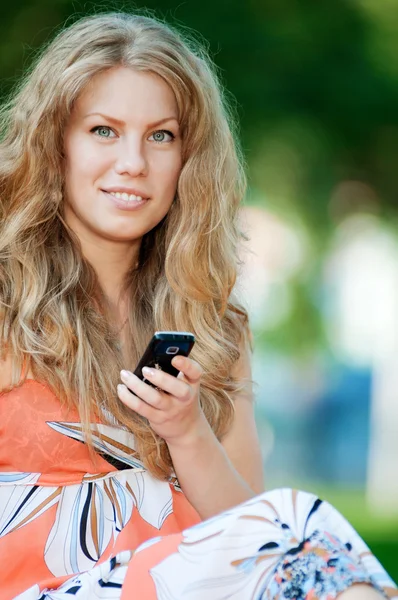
<point x="122" y="156"/>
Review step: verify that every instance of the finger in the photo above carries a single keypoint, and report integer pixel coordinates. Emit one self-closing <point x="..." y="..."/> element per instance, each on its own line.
<point x="141" y="389"/>
<point x="168" y="383"/>
<point x="136" y="404"/>
<point x="191" y="370"/>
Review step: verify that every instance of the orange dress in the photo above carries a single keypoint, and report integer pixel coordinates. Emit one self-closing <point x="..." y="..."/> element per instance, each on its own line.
<point x="70" y="528"/>
<point x="61" y="515"/>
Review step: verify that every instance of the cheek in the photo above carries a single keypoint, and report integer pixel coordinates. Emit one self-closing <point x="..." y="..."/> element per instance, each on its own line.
<point x="74" y="168"/>
<point x="82" y="162"/>
<point x="169" y="173"/>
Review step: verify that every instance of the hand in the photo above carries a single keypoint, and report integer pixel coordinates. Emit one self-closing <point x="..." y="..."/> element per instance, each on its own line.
<point x="175" y="415"/>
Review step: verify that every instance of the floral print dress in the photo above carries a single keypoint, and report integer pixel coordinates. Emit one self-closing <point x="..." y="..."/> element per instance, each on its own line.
<point x="74" y="528"/>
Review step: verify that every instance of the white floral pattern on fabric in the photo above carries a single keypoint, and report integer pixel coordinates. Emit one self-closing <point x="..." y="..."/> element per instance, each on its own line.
<point x="89" y="515"/>
<point x="274" y="547"/>
<point x="88" y="518"/>
<point x="235" y="555"/>
<point x="21" y="501"/>
<point x="104" y="582"/>
<point x="114" y="443"/>
<point x="18" y="477"/>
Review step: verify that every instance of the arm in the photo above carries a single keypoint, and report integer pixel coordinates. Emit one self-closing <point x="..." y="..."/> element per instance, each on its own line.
<point x="241" y="442"/>
<point x="227" y="473"/>
<point x="214" y="476"/>
<point x="208" y="476"/>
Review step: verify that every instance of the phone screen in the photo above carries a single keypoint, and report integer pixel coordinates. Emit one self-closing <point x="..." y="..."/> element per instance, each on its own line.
<point x="161" y="350"/>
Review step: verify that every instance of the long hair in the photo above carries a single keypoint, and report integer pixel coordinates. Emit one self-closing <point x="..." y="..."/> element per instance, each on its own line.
<point x="52" y="316"/>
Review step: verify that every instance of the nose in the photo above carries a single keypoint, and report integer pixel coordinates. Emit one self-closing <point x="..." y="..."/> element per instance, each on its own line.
<point x="131" y="159"/>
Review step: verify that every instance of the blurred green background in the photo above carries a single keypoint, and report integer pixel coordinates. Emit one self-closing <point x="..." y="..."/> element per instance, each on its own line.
<point x="315" y="86"/>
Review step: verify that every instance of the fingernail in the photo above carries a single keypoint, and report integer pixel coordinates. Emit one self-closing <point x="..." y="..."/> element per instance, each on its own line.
<point x="147" y="371"/>
<point x="125" y="374"/>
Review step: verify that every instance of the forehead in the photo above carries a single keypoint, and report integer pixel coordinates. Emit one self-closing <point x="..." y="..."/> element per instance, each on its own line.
<point x="127" y="94"/>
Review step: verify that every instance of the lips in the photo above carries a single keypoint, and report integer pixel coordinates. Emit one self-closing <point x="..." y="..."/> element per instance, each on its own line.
<point x="126" y="202"/>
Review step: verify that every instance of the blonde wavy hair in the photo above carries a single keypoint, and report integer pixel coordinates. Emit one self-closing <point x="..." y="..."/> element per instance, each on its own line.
<point x="53" y="315"/>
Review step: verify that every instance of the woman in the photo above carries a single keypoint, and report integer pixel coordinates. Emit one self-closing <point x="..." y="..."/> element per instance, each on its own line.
<point x="120" y="184"/>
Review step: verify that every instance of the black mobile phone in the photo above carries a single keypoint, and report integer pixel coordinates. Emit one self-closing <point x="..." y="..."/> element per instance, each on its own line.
<point x="160" y="351"/>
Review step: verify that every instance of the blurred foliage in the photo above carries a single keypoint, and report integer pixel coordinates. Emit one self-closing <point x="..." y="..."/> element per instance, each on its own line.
<point x="316" y="89"/>
<point x="303" y="319"/>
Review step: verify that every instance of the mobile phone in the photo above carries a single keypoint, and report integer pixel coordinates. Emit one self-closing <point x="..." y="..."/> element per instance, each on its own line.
<point x="160" y="351"/>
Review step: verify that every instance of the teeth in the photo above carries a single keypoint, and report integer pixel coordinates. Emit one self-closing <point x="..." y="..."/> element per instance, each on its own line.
<point x="126" y="197"/>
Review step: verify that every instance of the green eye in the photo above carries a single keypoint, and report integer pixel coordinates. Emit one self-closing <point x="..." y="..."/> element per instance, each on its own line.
<point x="102" y="131"/>
<point x="162" y="136"/>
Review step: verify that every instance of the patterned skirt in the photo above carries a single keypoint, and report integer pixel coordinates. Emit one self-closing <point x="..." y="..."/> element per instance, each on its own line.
<point x="282" y="544"/>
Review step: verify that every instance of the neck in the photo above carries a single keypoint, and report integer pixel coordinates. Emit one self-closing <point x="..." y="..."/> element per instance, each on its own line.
<point x="111" y="262"/>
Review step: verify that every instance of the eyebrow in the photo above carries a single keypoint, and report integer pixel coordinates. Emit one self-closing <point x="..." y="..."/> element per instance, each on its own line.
<point x="118" y="122"/>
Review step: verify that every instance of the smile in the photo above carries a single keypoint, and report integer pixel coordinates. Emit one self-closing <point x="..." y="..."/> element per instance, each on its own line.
<point x="127" y="197"/>
<point x="125" y="201"/>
